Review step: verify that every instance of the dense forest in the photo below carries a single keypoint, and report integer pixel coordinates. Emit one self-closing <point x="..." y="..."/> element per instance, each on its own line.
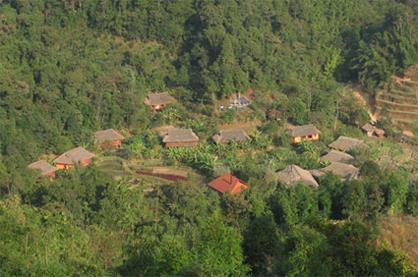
<point x="71" y="67"/>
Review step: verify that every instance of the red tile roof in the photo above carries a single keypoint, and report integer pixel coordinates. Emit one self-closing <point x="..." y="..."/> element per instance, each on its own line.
<point x="228" y="183"/>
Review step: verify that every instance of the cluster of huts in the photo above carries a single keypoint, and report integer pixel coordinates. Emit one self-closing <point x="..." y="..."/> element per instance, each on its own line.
<point x="78" y="156"/>
<point x="338" y="158"/>
<point x="181" y="137"/>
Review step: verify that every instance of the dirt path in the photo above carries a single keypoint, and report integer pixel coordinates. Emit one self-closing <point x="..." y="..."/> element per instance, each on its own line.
<point x="369" y="104"/>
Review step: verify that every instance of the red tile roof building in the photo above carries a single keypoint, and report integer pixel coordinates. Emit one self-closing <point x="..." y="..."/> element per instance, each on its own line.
<point x="228" y="183"/>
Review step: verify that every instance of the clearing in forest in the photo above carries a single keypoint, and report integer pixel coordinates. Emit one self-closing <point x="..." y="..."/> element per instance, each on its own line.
<point x="400" y="232"/>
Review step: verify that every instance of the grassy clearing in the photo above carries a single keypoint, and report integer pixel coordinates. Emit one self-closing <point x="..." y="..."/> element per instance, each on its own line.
<point x="391" y="155"/>
<point x="248" y="126"/>
<point x="401" y="233"/>
<point x="120" y="168"/>
<point x="114" y="166"/>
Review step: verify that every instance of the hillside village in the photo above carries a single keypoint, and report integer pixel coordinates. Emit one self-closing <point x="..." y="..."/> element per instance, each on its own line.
<point x="208" y="138"/>
<point x="336" y="159"/>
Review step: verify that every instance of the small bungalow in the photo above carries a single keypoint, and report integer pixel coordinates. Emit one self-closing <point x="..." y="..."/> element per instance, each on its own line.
<point x="73" y="157"/>
<point x="342" y="170"/>
<point x="178" y="137"/>
<point x="44" y="168"/>
<point x="108" y="138"/>
<point x="371" y="131"/>
<point x="346" y="144"/>
<point x="337" y="156"/>
<point x="304" y="133"/>
<point x="159" y="100"/>
<point x="228" y="135"/>
<point x="228" y="183"/>
<point x="294" y="174"/>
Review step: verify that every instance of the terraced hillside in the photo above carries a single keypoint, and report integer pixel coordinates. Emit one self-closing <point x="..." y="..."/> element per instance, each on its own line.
<point x="399" y="101"/>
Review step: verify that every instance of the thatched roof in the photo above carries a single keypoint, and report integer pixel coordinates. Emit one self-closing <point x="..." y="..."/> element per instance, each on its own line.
<point x="43" y="166"/>
<point x="342" y="170"/>
<point x="74" y="156"/>
<point x="337" y="156"/>
<point x="304" y="130"/>
<point x="346" y="144"/>
<point x="159" y="98"/>
<point x="180" y="135"/>
<point x="107" y="135"/>
<point x="228" y="135"/>
<point x="294" y="174"/>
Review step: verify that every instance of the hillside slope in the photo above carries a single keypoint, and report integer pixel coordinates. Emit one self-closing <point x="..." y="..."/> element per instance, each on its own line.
<point x="400" y="232"/>
<point x="399" y="99"/>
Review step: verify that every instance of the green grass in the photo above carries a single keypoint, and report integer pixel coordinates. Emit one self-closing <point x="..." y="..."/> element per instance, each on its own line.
<point x="113" y="166"/>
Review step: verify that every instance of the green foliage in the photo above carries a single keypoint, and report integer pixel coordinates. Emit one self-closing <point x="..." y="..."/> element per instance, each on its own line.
<point x="309" y="155"/>
<point x="355" y="253"/>
<point x="69" y="68"/>
<point x="351" y="113"/>
<point x="218" y="249"/>
<point x="395" y="189"/>
<point x="165" y="256"/>
<point x="387" y="49"/>
<point x="307" y="253"/>
<point x="398" y="263"/>
<point x="295" y="205"/>
<point x="32" y="243"/>
<point x="298" y="111"/>
<point x="143" y="145"/>
<point x="371" y="169"/>
<point x="200" y="159"/>
<point x="411" y="205"/>
<point x="262" y="245"/>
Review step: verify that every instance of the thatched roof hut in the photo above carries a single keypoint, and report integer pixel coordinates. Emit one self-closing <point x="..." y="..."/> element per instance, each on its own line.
<point x="294" y="174"/>
<point x="347" y="144"/>
<point x="342" y="170"/>
<point x="228" y="135"/>
<point x="107" y="136"/>
<point x="180" y="137"/>
<point x="337" y="156"/>
<point x="74" y="156"/>
<point x="304" y="130"/>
